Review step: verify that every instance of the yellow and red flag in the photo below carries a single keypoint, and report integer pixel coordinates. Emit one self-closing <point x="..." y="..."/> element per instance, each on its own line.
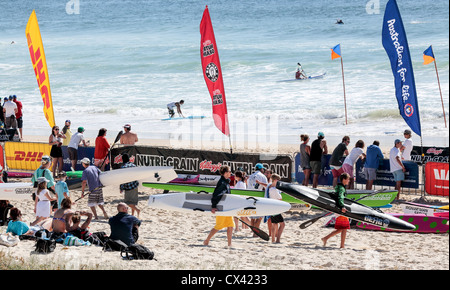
<point x="36" y="48"/>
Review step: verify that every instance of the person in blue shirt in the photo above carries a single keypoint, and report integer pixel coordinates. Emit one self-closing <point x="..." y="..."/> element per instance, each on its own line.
<point x="61" y="188"/>
<point x="373" y="158"/>
<point x="90" y="177"/>
<point x="124" y="226"/>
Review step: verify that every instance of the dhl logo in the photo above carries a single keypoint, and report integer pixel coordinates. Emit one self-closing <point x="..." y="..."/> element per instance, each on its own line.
<point x="28" y="156"/>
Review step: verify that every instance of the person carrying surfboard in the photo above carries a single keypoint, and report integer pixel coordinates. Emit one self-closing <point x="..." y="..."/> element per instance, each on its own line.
<point x="171" y="107"/>
<point x="222" y="188"/>
<point x="342" y="223"/>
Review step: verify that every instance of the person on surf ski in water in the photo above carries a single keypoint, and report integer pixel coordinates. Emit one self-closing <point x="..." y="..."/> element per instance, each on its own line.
<point x="171" y="107"/>
<point x="300" y="74"/>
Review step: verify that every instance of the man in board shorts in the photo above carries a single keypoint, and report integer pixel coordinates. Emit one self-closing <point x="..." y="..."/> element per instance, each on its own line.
<point x="91" y="177"/>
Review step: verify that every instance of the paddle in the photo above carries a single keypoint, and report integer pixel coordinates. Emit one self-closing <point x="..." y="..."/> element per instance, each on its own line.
<point x="87" y="194"/>
<point x="311" y="221"/>
<point x="115" y="141"/>
<point x="263" y="235"/>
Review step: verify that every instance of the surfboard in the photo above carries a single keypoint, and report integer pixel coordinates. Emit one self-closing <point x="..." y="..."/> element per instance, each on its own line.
<point x="355" y="210"/>
<point x="181" y="118"/>
<point x="421" y="222"/>
<point x="417" y="208"/>
<point x="229" y="205"/>
<point x="16" y="190"/>
<point x="309" y="78"/>
<point x="141" y="173"/>
<point x="378" y="200"/>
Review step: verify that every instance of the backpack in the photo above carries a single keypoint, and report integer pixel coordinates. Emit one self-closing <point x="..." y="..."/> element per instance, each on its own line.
<point x="137" y="252"/>
<point x="114" y="245"/>
<point x="45" y="245"/>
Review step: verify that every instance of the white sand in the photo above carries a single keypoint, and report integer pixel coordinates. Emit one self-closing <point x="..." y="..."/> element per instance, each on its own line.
<point x="177" y="240"/>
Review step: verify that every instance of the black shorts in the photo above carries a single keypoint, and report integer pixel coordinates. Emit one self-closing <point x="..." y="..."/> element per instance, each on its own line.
<point x="275" y="219"/>
<point x="73" y="153"/>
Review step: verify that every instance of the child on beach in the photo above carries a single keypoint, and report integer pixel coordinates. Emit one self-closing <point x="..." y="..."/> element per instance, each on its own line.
<point x="61" y="188"/>
<point x="277" y="221"/>
<point x="42" y="206"/>
<point x="342" y="223"/>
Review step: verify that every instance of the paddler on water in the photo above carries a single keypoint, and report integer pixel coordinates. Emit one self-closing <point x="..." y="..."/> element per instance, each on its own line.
<point x="300" y="74"/>
<point x="171" y="107"/>
<point x="342" y="223"/>
<point x="222" y="187"/>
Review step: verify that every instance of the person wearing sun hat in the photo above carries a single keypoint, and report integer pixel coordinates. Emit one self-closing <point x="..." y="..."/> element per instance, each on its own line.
<point x="42" y="203"/>
<point x="44" y="171"/>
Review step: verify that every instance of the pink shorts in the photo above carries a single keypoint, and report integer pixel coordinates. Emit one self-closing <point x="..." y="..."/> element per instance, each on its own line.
<point x="348" y="169"/>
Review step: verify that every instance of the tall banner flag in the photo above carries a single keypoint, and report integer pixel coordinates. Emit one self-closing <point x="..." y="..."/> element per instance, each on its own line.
<point x="36" y="48"/>
<point x="428" y="57"/>
<point x="396" y="45"/>
<point x="213" y="73"/>
<point x="336" y="53"/>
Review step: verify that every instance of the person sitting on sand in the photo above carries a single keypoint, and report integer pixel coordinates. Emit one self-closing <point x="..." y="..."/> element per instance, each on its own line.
<point x="17" y="227"/>
<point x="61" y="217"/>
<point x="77" y="230"/>
<point x="124" y="226"/>
<point x="342" y="223"/>
<point x="222" y="188"/>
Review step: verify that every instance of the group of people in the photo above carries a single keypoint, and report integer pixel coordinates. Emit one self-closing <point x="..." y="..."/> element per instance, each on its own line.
<point x="262" y="179"/>
<point x="344" y="160"/>
<point x="11" y="115"/>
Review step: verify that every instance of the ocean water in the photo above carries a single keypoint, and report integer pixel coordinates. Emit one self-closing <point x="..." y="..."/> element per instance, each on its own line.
<point x="121" y="61"/>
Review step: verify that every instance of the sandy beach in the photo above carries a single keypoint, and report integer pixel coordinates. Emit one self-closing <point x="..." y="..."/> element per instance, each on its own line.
<point x="177" y="240"/>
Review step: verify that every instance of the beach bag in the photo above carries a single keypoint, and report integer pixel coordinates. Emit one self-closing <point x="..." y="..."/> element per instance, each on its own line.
<point x="8" y="240"/>
<point x="114" y="245"/>
<point x="74" y="241"/>
<point x="45" y="246"/>
<point x="137" y="252"/>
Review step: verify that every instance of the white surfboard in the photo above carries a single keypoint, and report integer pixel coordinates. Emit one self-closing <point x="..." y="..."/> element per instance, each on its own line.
<point x="141" y="173"/>
<point x="16" y="190"/>
<point x="229" y="205"/>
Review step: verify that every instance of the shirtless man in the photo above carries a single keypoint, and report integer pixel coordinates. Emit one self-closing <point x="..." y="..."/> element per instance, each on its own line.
<point x="128" y="138"/>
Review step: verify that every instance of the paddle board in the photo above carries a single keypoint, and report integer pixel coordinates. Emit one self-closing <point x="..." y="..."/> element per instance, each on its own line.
<point x="421" y="222"/>
<point x="16" y="190"/>
<point x="210" y="189"/>
<point x="185" y="118"/>
<point x="309" y="78"/>
<point x="355" y="210"/>
<point x="18" y="174"/>
<point x="229" y="205"/>
<point x="148" y="173"/>
<point x="416" y="208"/>
<point x="74" y="174"/>
<point x="379" y="199"/>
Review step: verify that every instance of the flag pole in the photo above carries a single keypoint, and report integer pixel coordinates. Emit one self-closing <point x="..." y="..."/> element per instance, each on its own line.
<point x="343" y="84"/>
<point x="439" y="84"/>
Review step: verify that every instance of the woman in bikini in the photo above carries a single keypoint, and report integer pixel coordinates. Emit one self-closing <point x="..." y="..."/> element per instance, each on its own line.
<point x="61" y="218"/>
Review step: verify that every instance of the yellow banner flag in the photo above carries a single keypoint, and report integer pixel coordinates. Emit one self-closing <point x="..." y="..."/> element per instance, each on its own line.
<point x="36" y="49"/>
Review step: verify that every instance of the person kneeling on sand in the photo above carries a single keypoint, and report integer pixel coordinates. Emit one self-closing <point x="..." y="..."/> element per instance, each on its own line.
<point x="222" y="187"/>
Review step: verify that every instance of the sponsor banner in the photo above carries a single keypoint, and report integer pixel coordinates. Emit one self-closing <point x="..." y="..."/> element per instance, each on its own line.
<point x="385" y="176"/>
<point x="325" y="177"/>
<point x="200" y="162"/>
<point x="24" y="155"/>
<point x="82" y="153"/>
<point x="436" y="178"/>
<point x="433" y="153"/>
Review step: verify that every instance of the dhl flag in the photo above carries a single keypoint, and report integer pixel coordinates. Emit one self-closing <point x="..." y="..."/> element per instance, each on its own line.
<point x="336" y="52"/>
<point x="36" y="48"/>
<point x="428" y="56"/>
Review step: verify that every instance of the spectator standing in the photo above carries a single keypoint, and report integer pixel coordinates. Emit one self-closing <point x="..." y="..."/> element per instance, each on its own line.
<point x="396" y="165"/>
<point x="101" y="150"/>
<point x="19" y="114"/>
<point x="373" y="158"/>
<point x="128" y="138"/>
<point x="318" y="149"/>
<point x="72" y="148"/>
<point x="407" y="145"/>
<point x="130" y="188"/>
<point x="305" y="151"/>
<point x="10" y="110"/>
<point x="67" y="132"/>
<point x="336" y="159"/>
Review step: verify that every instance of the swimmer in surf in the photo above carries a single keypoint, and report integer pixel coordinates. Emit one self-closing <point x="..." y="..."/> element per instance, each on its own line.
<point x="173" y="105"/>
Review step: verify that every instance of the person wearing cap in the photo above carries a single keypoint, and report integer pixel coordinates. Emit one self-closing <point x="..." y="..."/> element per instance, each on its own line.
<point x="18" y="114"/>
<point x="44" y="171"/>
<point x="67" y="132"/>
<point x="318" y="149"/>
<point x="42" y="205"/>
<point x="10" y="110"/>
<point x="128" y="138"/>
<point x="91" y="178"/>
<point x="72" y="148"/>
<point x="396" y="165"/>
<point x="257" y="181"/>
<point x="407" y="145"/>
